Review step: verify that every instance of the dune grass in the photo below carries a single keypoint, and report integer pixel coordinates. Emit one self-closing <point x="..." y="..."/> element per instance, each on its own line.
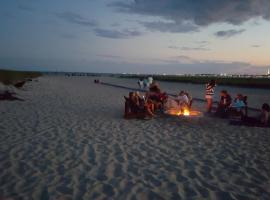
<point x="8" y="77"/>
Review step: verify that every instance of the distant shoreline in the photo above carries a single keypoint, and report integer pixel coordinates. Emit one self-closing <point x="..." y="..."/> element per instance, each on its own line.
<point x="245" y="81"/>
<point x="250" y="82"/>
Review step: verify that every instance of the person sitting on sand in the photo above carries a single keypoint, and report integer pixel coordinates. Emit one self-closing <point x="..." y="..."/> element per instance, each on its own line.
<point x="156" y="95"/>
<point x="176" y="105"/>
<point x="189" y="99"/>
<point x="179" y="104"/>
<point x="239" y="105"/>
<point x="171" y="105"/>
<point x="265" y="114"/>
<point x="131" y="104"/>
<point x="154" y="86"/>
<point x="259" y="121"/>
<point x="224" y="103"/>
<point x="182" y="99"/>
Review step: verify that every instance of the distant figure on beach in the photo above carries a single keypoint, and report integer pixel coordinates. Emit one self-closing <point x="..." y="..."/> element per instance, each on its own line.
<point x="209" y="93"/>
<point x="150" y="80"/>
<point x="265" y="114"/>
<point x="140" y="83"/>
<point x="145" y="83"/>
<point x="224" y="104"/>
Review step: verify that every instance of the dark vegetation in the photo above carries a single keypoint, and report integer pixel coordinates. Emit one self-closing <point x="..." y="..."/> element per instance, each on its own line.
<point x="16" y="79"/>
<point x="10" y="77"/>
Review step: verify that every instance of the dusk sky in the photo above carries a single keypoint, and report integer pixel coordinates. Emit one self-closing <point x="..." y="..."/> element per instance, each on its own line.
<point x="137" y="36"/>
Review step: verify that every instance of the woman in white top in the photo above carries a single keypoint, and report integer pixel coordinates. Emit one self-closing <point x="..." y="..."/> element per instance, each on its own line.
<point x="182" y="99"/>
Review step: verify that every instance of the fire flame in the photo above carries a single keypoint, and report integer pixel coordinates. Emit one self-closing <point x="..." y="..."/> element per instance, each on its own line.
<point x="185" y="112"/>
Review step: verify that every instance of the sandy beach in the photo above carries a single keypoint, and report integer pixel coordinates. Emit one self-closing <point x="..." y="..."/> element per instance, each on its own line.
<point x="68" y="140"/>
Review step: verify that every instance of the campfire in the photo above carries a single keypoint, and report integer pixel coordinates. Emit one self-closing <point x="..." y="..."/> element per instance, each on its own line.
<point x="185" y="112"/>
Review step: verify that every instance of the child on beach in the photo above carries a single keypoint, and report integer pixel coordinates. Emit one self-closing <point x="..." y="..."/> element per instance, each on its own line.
<point x="224" y="103"/>
<point x="182" y="99"/>
<point x="209" y="93"/>
<point x="239" y="105"/>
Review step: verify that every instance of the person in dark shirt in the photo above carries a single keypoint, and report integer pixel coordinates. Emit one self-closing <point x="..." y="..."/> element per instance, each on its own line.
<point x="224" y="104"/>
<point x="265" y="114"/>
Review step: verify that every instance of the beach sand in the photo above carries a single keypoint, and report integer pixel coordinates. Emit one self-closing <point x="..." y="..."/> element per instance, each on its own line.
<point x="68" y="140"/>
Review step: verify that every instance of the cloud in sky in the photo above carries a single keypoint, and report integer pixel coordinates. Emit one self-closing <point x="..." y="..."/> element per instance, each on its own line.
<point x="203" y="42"/>
<point x="199" y="48"/>
<point x="116" y="34"/>
<point x="198" y="13"/>
<point x="108" y="56"/>
<point x="75" y="18"/>
<point x="172" y="27"/>
<point x="228" y="33"/>
<point x="68" y="36"/>
<point x="195" y="49"/>
<point x="25" y="7"/>
<point x="255" y="46"/>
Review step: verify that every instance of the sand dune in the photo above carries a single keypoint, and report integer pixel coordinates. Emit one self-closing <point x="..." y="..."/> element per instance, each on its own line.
<point x="68" y="140"/>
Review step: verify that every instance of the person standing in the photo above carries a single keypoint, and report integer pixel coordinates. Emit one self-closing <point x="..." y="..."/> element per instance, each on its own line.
<point x="209" y="93"/>
<point x="140" y="83"/>
<point x="150" y="80"/>
<point x="145" y="83"/>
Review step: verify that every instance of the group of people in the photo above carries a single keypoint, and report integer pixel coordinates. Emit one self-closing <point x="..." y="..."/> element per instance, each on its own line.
<point x="154" y="100"/>
<point x="145" y="83"/>
<point x="145" y="105"/>
<point x="228" y="107"/>
<point x="96" y="81"/>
